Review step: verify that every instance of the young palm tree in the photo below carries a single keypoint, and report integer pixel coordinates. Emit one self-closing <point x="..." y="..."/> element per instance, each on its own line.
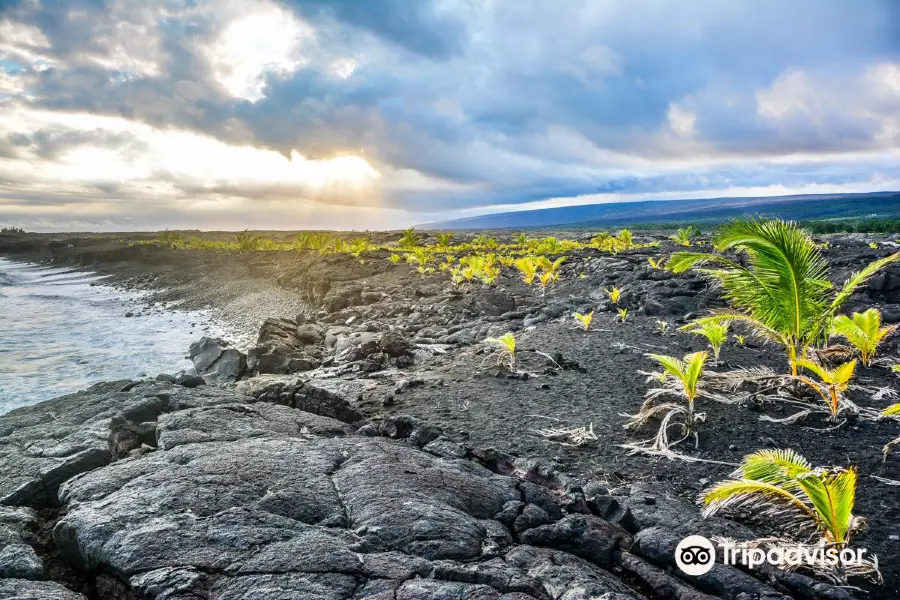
<point x="783" y="294"/>
<point x="444" y="239"/>
<point x="833" y="382"/>
<point x="684" y="236"/>
<point x="715" y="333"/>
<point x="680" y="378"/>
<point x="409" y="238"/>
<point x="528" y="267"/>
<point x="584" y="320"/>
<point x="863" y="331"/>
<point x="782" y="485"/>
<point x="506" y="344"/>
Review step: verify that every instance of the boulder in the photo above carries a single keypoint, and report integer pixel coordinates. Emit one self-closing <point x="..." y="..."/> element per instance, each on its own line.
<point x="278" y="360"/>
<point x="18" y="559"/>
<point x="282" y="347"/>
<point x="310" y="334"/>
<point x="216" y="362"/>
<point x="586" y="536"/>
<point x="378" y="349"/>
<point x="492" y="302"/>
<point x="280" y="332"/>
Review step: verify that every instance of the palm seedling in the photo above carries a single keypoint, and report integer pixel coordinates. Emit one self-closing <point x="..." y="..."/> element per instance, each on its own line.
<point x="656" y="263"/>
<point x="444" y="239"/>
<point x="623" y="313"/>
<point x="715" y="333"/>
<point x="783" y="293"/>
<point x="740" y="339"/>
<point x="549" y="271"/>
<point x="626" y="238"/>
<point x="409" y="238"/>
<point x="528" y="267"/>
<point x="663" y="326"/>
<point x="172" y="239"/>
<point x="831" y="385"/>
<point x="601" y="238"/>
<point x="873" y="245"/>
<point x="506" y="355"/>
<point x="546" y="278"/>
<point x="680" y="378"/>
<point x="394" y="258"/>
<point x="246" y="241"/>
<point x="614" y="294"/>
<point x="486" y="242"/>
<point x="863" y="331"/>
<point x="522" y="240"/>
<point x="815" y="504"/>
<point x="585" y="320"/>
<point x="551" y="245"/>
<point x="684" y="236"/>
<point x="550" y="265"/>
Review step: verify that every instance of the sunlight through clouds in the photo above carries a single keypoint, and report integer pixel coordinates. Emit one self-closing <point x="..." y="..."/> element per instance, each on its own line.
<point x="266" y="42"/>
<point x="417" y="111"/>
<point x="131" y="155"/>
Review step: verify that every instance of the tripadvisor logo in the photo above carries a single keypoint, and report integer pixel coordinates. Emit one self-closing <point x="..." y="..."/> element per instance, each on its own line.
<point x="695" y="555"/>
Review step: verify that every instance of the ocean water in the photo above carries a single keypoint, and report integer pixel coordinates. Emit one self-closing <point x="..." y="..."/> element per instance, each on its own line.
<point x="59" y="334"/>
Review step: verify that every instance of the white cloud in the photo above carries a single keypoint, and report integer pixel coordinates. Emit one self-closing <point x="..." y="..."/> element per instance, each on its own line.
<point x="267" y="41"/>
<point x="344" y="67"/>
<point x="792" y="91"/>
<point x="22" y="43"/>
<point x="886" y="77"/>
<point x="681" y="121"/>
<point x="146" y="161"/>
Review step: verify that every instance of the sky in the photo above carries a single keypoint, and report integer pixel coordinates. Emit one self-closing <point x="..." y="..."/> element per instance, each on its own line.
<point x="377" y="114"/>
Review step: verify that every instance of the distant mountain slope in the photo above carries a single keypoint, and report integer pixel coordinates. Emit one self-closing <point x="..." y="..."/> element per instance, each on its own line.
<point x="805" y="207"/>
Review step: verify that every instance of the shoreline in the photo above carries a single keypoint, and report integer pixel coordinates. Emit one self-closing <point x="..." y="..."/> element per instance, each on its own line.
<point x="79" y="329"/>
<point x="403" y="355"/>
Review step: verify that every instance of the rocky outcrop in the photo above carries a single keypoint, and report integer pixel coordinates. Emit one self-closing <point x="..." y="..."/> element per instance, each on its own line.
<point x="216" y="361"/>
<point x="284" y="347"/>
<point x="42" y="446"/>
<point x="174" y="492"/>
<point x="24" y="589"/>
<point x="18" y="559"/>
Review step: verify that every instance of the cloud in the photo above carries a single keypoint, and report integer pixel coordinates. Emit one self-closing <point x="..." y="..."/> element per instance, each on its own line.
<point x="208" y="108"/>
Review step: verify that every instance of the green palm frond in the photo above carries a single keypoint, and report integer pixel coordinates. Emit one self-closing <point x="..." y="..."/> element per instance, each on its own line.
<point x="728" y="316"/>
<point x="892" y="411"/>
<point x="832" y="495"/>
<point x="820" y="370"/>
<point x="670" y="364"/>
<point x="680" y="262"/>
<point x="863" y="331"/>
<point x="763" y="499"/>
<point x="783" y="289"/>
<point x="776" y="466"/>
<point x="687" y="372"/>
<point x="781" y="484"/>
<point x="786" y="285"/>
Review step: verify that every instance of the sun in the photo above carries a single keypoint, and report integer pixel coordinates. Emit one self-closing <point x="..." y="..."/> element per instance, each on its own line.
<point x="349" y="169"/>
